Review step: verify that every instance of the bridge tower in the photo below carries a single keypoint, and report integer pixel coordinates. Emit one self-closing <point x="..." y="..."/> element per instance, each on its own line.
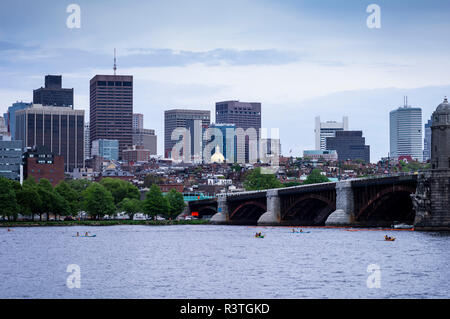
<point x="432" y="198"/>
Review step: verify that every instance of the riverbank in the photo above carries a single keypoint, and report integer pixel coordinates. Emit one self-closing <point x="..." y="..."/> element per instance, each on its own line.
<point x="102" y="223"/>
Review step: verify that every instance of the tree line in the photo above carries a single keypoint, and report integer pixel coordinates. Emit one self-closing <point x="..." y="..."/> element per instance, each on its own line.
<point x="97" y="199"/>
<point x="258" y="180"/>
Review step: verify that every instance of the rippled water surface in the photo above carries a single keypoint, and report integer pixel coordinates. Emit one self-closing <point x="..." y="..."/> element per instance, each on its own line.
<point x="221" y="262"/>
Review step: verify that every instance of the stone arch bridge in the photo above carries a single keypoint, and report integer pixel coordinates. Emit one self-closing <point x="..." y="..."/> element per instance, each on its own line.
<point x="359" y="202"/>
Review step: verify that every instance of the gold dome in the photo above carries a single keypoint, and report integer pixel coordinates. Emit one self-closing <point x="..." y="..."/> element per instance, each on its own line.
<point x="217" y="157"/>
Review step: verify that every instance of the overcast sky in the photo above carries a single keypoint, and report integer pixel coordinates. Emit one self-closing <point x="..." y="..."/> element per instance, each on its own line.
<point x="300" y="59"/>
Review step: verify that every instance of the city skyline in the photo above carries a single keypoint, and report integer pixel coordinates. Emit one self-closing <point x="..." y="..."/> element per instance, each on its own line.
<point x="314" y="60"/>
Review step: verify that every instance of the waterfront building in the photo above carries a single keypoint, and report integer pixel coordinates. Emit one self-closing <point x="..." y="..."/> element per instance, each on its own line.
<point x="53" y="94"/>
<point x="111" y="109"/>
<point x="178" y="118"/>
<point x="10" y="116"/>
<point x="244" y="115"/>
<point x="107" y="149"/>
<point x="349" y="145"/>
<point x="11" y="159"/>
<point x="323" y="130"/>
<point x="59" y="129"/>
<point x="406" y="132"/>
<point x="38" y="162"/>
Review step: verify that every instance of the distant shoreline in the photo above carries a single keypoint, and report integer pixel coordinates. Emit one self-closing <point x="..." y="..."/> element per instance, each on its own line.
<point x="102" y="223"/>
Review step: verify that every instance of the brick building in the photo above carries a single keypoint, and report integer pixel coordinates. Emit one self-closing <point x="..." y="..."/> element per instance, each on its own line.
<point x="40" y="163"/>
<point x="136" y="154"/>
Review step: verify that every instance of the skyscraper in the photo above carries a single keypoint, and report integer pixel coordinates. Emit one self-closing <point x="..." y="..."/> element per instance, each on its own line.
<point x="10" y="159"/>
<point x="138" y="121"/>
<point x="53" y="94"/>
<point x="108" y="149"/>
<point x="59" y="129"/>
<point x="3" y="125"/>
<point x="406" y="132"/>
<point x="111" y="109"/>
<point x="179" y="118"/>
<point x="349" y="145"/>
<point x="87" y="140"/>
<point x="427" y="140"/>
<point x="328" y="129"/>
<point x="11" y="120"/>
<point x="244" y="115"/>
<point x="228" y="144"/>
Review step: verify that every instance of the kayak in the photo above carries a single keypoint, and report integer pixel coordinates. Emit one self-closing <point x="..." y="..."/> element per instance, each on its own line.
<point x="259" y="236"/>
<point x="85" y="236"/>
<point x="300" y="232"/>
<point x="390" y="239"/>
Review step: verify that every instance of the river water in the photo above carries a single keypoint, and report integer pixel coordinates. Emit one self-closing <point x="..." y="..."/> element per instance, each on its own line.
<point x="205" y="261"/>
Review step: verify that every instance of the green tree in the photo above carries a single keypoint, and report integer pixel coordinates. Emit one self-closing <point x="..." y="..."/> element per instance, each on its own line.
<point x="176" y="203"/>
<point x="70" y="196"/>
<point x="155" y="203"/>
<point x="316" y="177"/>
<point x="45" y="191"/>
<point x="120" y="189"/>
<point x="130" y="206"/>
<point x="8" y="202"/>
<point x="98" y="201"/>
<point x="79" y="185"/>
<point x="236" y="168"/>
<point x="411" y="166"/>
<point x="256" y="180"/>
<point x="29" y="199"/>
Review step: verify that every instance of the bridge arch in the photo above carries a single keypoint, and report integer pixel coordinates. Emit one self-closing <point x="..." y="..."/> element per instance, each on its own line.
<point x="389" y="205"/>
<point x="309" y="209"/>
<point x="207" y="211"/>
<point x="248" y="213"/>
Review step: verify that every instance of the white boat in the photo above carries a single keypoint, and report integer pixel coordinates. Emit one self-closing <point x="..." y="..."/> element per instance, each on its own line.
<point x="402" y="226"/>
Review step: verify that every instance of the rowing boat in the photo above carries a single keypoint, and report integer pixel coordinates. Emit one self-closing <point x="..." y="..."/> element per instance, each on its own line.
<point x="85" y="236"/>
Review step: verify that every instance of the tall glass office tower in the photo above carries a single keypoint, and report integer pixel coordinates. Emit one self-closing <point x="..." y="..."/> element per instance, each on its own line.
<point x="406" y="132"/>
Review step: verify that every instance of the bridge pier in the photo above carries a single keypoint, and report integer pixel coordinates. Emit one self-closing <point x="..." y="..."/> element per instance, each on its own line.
<point x="273" y="215"/>
<point x="222" y="216"/>
<point x="343" y="215"/>
<point x="432" y="200"/>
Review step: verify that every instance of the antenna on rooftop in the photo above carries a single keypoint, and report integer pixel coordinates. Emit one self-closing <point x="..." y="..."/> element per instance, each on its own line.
<point x="115" y="66"/>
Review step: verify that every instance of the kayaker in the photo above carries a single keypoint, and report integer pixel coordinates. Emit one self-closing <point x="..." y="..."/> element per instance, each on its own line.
<point x="78" y="234"/>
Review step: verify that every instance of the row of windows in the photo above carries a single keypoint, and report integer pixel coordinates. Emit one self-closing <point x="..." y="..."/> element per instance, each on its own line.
<point x="44" y="162"/>
<point x="238" y="112"/>
<point x="114" y="83"/>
